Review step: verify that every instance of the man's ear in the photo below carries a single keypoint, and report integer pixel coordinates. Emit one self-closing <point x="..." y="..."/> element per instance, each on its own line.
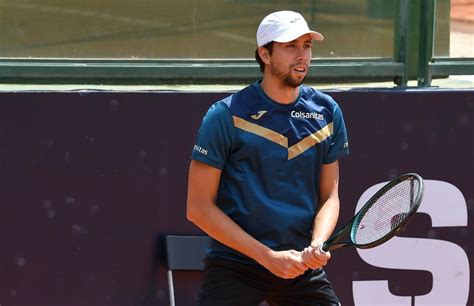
<point x="264" y="55"/>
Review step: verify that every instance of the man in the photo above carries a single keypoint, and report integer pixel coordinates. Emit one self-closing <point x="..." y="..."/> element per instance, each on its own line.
<point x="263" y="180"/>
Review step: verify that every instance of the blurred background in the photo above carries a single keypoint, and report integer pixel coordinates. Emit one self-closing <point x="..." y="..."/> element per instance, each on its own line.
<point x="178" y="30"/>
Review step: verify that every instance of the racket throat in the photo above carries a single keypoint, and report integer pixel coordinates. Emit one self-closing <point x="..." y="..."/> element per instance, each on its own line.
<point x="331" y="245"/>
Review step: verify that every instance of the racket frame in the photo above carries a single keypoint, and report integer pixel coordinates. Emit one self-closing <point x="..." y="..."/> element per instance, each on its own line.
<point x="335" y="241"/>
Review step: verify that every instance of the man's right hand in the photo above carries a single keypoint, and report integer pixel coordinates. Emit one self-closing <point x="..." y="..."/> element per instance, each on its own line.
<point x="284" y="264"/>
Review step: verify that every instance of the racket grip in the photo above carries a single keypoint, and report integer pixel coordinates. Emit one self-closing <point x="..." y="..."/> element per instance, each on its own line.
<point x="322" y="247"/>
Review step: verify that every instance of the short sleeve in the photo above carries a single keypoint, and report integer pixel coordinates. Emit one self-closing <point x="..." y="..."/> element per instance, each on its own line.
<point x="214" y="138"/>
<point x="339" y="145"/>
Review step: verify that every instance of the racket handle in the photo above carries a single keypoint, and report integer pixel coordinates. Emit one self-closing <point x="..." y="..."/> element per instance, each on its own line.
<point x="323" y="248"/>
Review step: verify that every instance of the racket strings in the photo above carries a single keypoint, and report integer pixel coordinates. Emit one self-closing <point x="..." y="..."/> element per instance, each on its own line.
<point x="387" y="212"/>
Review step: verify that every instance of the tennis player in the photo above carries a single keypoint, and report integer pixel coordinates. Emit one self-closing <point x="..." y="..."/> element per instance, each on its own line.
<point x="263" y="180"/>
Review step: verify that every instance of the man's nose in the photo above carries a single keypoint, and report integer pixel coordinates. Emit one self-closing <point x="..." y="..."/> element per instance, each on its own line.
<point x="303" y="54"/>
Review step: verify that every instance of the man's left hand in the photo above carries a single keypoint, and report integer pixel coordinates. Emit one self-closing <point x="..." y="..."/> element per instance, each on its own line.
<point x="314" y="258"/>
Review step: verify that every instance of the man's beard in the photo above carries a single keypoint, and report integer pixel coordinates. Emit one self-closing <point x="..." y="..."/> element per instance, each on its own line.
<point x="286" y="78"/>
<point x="291" y="81"/>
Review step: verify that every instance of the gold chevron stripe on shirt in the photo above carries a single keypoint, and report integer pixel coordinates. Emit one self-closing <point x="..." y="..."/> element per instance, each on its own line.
<point x="278" y="138"/>
<point x="310" y="141"/>
<point x="261" y="131"/>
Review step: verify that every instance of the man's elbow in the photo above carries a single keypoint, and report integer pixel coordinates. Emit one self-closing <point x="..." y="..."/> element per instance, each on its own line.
<point x="193" y="213"/>
<point x="190" y="214"/>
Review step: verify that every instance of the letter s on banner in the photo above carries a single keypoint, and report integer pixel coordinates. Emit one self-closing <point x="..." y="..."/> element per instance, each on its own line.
<point x="447" y="262"/>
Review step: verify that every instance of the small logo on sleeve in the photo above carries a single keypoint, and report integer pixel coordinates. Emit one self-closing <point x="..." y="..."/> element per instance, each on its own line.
<point x="259" y="114"/>
<point x="200" y="150"/>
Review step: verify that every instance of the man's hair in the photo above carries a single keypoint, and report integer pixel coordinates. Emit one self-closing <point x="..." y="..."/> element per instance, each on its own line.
<point x="269" y="47"/>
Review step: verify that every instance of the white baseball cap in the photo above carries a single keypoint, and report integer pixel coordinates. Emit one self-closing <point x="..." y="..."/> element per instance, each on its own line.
<point x="284" y="26"/>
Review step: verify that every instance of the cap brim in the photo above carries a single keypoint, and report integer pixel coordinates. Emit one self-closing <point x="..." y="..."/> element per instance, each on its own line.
<point x="316" y="35"/>
<point x="292" y="36"/>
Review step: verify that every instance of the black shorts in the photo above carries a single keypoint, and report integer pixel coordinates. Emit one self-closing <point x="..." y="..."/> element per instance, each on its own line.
<point x="230" y="283"/>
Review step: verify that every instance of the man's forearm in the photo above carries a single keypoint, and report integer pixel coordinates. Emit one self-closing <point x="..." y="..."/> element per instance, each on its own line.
<point x="219" y="226"/>
<point x="325" y="220"/>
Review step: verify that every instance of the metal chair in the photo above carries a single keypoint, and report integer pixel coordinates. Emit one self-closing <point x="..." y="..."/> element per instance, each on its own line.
<point x="184" y="253"/>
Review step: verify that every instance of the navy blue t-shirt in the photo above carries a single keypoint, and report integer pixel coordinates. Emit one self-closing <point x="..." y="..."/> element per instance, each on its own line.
<point x="270" y="155"/>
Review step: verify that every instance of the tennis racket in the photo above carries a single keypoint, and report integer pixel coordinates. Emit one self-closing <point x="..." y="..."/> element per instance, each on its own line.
<point x="382" y="217"/>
